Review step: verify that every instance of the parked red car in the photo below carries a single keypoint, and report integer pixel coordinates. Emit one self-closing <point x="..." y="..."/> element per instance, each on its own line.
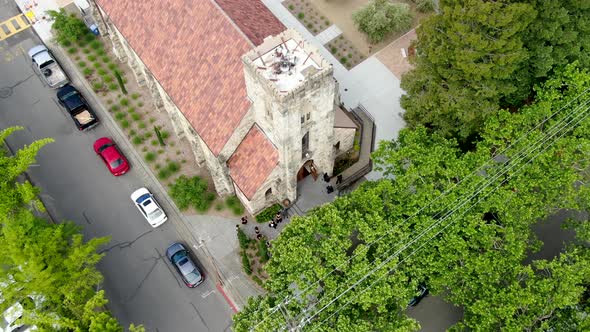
<point x="112" y="157"/>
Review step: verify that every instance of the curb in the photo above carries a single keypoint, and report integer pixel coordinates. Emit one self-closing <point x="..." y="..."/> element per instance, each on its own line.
<point x="181" y="227"/>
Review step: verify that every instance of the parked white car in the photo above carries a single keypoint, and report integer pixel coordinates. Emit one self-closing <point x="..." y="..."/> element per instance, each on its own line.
<point x="149" y="207"/>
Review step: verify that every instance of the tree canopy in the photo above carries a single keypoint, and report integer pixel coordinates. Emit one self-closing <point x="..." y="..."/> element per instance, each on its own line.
<point x="49" y="268"/>
<point x="380" y="17"/>
<point x="483" y="202"/>
<point x="476" y="57"/>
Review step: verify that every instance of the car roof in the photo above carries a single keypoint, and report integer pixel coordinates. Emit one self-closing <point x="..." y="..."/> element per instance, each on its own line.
<point x="138" y="193"/>
<point x="174" y="248"/>
<point x="111" y="153"/>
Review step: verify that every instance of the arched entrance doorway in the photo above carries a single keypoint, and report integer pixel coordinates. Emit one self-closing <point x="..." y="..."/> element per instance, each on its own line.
<point x="306" y="169"/>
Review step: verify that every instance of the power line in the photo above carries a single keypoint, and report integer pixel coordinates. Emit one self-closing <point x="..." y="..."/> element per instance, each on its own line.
<point x="481" y="188"/>
<point x="397" y="252"/>
<point x="288" y="298"/>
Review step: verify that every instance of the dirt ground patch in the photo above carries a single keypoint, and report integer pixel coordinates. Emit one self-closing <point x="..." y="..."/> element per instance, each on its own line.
<point x="340" y="13"/>
<point x="392" y="57"/>
<point x="307" y="14"/>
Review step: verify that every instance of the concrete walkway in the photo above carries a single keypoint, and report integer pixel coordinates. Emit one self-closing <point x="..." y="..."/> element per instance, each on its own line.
<point x="370" y="83"/>
<point x="36" y="13"/>
<point x="330" y="33"/>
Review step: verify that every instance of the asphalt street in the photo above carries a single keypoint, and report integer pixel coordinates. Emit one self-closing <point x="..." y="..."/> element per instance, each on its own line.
<point x="140" y="283"/>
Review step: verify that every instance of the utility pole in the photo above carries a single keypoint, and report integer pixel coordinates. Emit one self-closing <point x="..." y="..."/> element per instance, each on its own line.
<point x="291" y="325"/>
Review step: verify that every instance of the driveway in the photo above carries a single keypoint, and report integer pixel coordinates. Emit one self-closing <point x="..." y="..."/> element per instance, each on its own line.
<point x="141" y="285"/>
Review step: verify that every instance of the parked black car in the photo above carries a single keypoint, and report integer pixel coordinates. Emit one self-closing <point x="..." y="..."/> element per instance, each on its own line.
<point x="421" y="293"/>
<point x="72" y="100"/>
<point x="182" y="261"/>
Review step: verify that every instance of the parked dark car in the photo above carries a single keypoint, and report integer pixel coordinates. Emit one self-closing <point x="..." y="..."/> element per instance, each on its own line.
<point x="75" y="104"/>
<point x="182" y="261"/>
<point x="421" y="293"/>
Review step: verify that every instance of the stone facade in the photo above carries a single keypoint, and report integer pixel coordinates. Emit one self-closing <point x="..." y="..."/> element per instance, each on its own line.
<point x="294" y="120"/>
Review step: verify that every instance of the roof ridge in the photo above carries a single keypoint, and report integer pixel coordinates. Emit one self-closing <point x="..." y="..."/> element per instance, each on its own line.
<point x="234" y="24"/>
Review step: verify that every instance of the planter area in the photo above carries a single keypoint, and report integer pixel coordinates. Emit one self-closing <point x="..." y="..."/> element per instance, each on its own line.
<point x="307" y="14"/>
<point x="345" y="52"/>
<point x="149" y="130"/>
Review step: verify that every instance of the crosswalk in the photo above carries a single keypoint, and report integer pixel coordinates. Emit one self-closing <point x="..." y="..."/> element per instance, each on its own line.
<point x="13" y="26"/>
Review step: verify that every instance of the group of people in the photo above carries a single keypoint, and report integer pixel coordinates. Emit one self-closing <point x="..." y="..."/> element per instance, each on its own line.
<point x="276" y="220"/>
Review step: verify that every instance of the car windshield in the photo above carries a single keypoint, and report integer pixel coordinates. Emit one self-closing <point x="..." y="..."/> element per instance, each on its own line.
<point x="143" y="199"/>
<point x="104" y="147"/>
<point x="116" y="163"/>
<point x="193" y="277"/>
<point x="155" y="214"/>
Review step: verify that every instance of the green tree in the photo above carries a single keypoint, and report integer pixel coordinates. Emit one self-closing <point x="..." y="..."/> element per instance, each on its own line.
<point x="478" y="259"/>
<point x="49" y="268"/>
<point x="381" y="17"/>
<point x="68" y="28"/>
<point x="191" y="192"/>
<point x="469" y="59"/>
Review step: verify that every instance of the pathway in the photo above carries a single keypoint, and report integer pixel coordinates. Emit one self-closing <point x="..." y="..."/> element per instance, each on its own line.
<point x="330" y="33"/>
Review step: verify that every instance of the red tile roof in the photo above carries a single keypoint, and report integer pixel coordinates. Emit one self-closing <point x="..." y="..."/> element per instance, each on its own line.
<point x="194" y="51"/>
<point x="253" y="18"/>
<point x="253" y="161"/>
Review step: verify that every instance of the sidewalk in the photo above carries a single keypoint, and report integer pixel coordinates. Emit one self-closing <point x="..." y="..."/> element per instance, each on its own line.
<point x="36" y="13"/>
<point x="370" y="83"/>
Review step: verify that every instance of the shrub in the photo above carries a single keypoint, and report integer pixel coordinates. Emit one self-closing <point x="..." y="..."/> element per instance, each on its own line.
<point x="152" y="120"/>
<point x="131" y="132"/>
<point x="134" y="96"/>
<point x="91" y="57"/>
<point x="101" y="71"/>
<point x="72" y="50"/>
<point x="124" y="102"/>
<point x="219" y="206"/>
<point x="191" y="192"/>
<point x="234" y="204"/>
<point x="109" y="101"/>
<point x="173" y="167"/>
<point x="100" y="52"/>
<point x="143" y="149"/>
<point x="164" y="173"/>
<point x="137" y="140"/>
<point x="154" y="142"/>
<point x="159" y="135"/>
<point x="333" y="49"/>
<point x="96" y="65"/>
<point x="66" y="43"/>
<point x="263" y="251"/>
<point x="257" y="280"/>
<point x="125" y="123"/>
<point x="424" y="6"/>
<point x="301" y="15"/>
<point x="150" y="156"/>
<point x="95" y="44"/>
<point x="246" y="263"/>
<point x="68" y="28"/>
<point x="115" y="108"/>
<point x="291" y="7"/>
<point x="381" y="17"/>
<point x="112" y="66"/>
<point x="105" y="59"/>
<point x="136" y="117"/>
<point x="141" y="125"/>
<point x="85" y="50"/>
<point x="243" y="239"/>
<point x="120" y="115"/>
<point x="97" y="86"/>
<point x="120" y="81"/>
<point x="113" y="86"/>
<point x="148" y="134"/>
<point x="140" y="104"/>
<point x="268" y="213"/>
<point x="87" y="71"/>
<point x="165" y="134"/>
<point x="108" y="78"/>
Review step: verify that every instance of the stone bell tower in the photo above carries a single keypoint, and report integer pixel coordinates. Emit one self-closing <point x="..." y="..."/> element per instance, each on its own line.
<point x="293" y="93"/>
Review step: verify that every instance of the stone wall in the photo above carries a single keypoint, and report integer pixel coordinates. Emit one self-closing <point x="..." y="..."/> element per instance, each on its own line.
<point x="346" y="138"/>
